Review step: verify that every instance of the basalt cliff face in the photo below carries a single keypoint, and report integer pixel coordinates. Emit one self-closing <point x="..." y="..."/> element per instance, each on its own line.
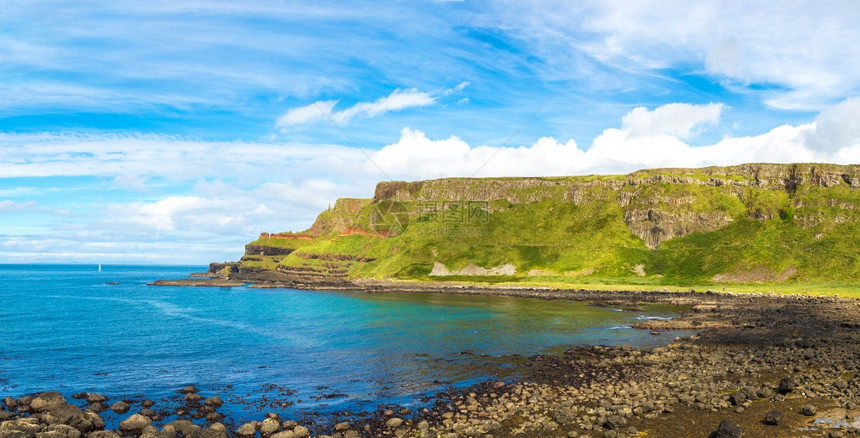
<point x="747" y="223"/>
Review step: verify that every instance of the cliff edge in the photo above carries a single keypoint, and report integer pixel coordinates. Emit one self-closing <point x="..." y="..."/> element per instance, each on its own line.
<point x="766" y="223"/>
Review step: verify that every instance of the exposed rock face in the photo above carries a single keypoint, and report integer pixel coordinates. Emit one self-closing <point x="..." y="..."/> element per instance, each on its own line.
<point x="441" y="270"/>
<point x="655" y="226"/>
<point x="642" y="211"/>
<point x="251" y="249"/>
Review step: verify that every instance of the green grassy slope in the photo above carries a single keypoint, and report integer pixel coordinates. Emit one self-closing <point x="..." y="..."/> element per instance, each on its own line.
<point x="774" y="224"/>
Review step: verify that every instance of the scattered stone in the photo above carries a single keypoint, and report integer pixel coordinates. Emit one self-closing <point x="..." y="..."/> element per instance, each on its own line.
<point x="214" y="402"/>
<point x="247" y="430"/>
<point x="773" y="418"/>
<point x="394" y="423"/>
<point x="190" y="389"/>
<point x="135" y="423"/>
<point x="120" y="407"/>
<point x="786" y="385"/>
<point x="301" y="432"/>
<point x="93" y="397"/>
<point x="59" y="431"/>
<point x="192" y="397"/>
<point x="103" y="434"/>
<point x="808" y="410"/>
<point x="342" y="426"/>
<point x="269" y="426"/>
<point x="727" y="429"/>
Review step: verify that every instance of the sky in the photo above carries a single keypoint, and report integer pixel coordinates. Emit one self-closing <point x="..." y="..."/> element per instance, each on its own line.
<point x="165" y="132"/>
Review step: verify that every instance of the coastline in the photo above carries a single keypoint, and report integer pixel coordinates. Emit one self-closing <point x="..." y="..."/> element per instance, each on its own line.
<point x="757" y="359"/>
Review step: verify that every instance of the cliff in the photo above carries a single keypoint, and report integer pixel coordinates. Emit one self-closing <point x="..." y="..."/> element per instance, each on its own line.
<point x="747" y="223"/>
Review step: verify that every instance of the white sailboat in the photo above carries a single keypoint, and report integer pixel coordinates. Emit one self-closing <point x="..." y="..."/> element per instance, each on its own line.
<point x="100" y="267"/>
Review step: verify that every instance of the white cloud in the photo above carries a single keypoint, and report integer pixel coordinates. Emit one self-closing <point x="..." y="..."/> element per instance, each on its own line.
<point x="228" y="192"/>
<point x="674" y="119"/>
<point x="306" y="114"/>
<point x="799" y="50"/>
<point x="836" y="127"/>
<point x="7" y="205"/>
<point x="322" y="110"/>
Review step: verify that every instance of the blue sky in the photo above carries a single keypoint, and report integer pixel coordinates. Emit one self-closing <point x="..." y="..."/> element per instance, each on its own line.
<point x="173" y="132"/>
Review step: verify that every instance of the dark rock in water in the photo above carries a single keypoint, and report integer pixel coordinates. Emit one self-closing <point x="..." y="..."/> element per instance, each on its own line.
<point x="98" y="407"/>
<point x="134" y="423"/>
<point x="4" y="415"/>
<point x="147" y="412"/>
<point x="46" y="401"/>
<point x="808" y="410"/>
<point x="120" y="407"/>
<point x="192" y="397"/>
<point x="773" y="418"/>
<point x="10" y="402"/>
<point x="786" y="385"/>
<point x="214" y="417"/>
<point x="215" y="401"/>
<point x="190" y="389"/>
<point x="80" y="396"/>
<point x="727" y="429"/>
<point x="147" y="403"/>
<point x="96" y="398"/>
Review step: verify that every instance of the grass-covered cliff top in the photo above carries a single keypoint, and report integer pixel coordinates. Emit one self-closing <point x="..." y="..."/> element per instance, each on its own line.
<point x="764" y="226"/>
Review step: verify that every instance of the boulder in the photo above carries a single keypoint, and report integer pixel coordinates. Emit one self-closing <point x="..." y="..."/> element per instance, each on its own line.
<point x="808" y="410"/>
<point x="773" y="418"/>
<point x="190" y="389"/>
<point x="185" y="427"/>
<point x="72" y="415"/>
<point x="168" y="431"/>
<point x="786" y="385"/>
<point x="120" y="407"/>
<point x="301" y="432"/>
<point x="284" y="434"/>
<point x="214" y="402"/>
<point x="93" y="397"/>
<point x="10" y="402"/>
<point x="59" y="431"/>
<point x="46" y="401"/>
<point x="135" y="423"/>
<point x="209" y="433"/>
<point x="246" y="430"/>
<point x="394" y="423"/>
<point x="727" y="429"/>
<point x="192" y="397"/>
<point x="150" y="432"/>
<point x="103" y="434"/>
<point x="269" y="426"/>
<point x="26" y="400"/>
<point x="20" y="428"/>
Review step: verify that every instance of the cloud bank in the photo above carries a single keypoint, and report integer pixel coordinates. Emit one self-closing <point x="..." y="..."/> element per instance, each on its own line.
<point x="231" y="191"/>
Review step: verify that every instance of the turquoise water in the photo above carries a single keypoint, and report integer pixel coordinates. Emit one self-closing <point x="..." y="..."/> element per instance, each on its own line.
<point x="65" y="328"/>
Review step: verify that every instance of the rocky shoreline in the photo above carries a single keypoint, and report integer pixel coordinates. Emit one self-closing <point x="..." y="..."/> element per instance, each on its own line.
<point x="776" y="366"/>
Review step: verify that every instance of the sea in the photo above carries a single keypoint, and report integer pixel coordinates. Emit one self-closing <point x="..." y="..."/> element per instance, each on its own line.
<point x="73" y="328"/>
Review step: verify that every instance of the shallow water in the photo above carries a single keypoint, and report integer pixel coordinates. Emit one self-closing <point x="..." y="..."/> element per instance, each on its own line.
<point x="64" y="328"/>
